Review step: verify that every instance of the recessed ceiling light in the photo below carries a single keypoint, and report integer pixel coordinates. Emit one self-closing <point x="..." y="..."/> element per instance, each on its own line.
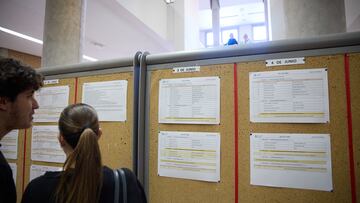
<point x="21" y="35"/>
<point x="36" y="40"/>
<point x="89" y="58"/>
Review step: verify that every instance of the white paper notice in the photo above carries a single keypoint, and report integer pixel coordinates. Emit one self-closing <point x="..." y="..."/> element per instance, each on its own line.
<point x="190" y="100"/>
<point x="189" y="155"/>
<point x="39" y="170"/>
<point x="108" y="98"/>
<point x="52" y="100"/>
<point x="291" y="160"/>
<point x="9" y="144"/>
<point x="45" y="145"/>
<point x="292" y="96"/>
<point x="13" y="167"/>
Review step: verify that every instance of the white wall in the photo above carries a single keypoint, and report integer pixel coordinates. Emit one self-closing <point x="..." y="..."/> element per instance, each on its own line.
<point x="153" y="13"/>
<point x="277" y="19"/>
<point x="191" y="31"/>
<point x="183" y="25"/>
<point x="119" y="32"/>
<point x="352" y="11"/>
<point x="176" y="25"/>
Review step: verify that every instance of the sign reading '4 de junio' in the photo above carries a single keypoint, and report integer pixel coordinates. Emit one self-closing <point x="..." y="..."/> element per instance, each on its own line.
<point x="283" y="62"/>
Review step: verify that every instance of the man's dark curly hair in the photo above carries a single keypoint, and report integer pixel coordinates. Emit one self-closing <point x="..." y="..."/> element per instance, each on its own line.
<point x="16" y="77"/>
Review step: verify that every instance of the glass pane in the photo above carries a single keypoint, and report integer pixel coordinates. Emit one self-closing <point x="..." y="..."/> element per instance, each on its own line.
<point x="209" y="39"/>
<point x="259" y="33"/>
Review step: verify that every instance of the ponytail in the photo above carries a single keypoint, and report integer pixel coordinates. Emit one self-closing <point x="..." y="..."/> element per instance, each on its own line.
<point x="81" y="180"/>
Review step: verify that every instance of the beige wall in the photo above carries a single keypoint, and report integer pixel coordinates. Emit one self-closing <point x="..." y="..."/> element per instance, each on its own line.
<point x="33" y="61"/>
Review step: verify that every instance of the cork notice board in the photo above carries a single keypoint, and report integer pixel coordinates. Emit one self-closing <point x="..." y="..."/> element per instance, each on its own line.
<point x="19" y="164"/>
<point x="116" y="140"/>
<point x="354" y="66"/>
<point x="165" y="189"/>
<point x="28" y="162"/>
<point x="115" y="143"/>
<point x="337" y="128"/>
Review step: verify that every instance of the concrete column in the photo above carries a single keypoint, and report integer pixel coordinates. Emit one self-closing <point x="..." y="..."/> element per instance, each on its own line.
<point x="308" y="18"/>
<point x="63" y="32"/>
<point x="215" y="8"/>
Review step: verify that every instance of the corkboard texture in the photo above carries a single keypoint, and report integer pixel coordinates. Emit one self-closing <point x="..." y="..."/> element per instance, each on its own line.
<point x="337" y="128"/>
<point x="116" y="140"/>
<point x="165" y="189"/>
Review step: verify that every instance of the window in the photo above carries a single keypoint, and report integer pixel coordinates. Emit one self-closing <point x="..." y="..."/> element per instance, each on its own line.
<point x="209" y="39"/>
<point x="259" y="33"/>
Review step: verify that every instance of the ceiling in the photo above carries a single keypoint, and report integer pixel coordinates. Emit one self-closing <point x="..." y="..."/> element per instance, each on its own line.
<point x="111" y="31"/>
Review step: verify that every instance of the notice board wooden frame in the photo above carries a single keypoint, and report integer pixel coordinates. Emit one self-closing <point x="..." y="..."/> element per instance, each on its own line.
<point x="19" y="164"/>
<point x="28" y="133"/>
<point x="165" y="189"/>
<point x="116" y="140"/>
<point x="337" y="128"/>
<point x="116" y="151"/>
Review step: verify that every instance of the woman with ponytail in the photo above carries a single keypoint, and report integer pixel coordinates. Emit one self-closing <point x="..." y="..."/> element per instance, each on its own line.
<point x="84" y="178"/>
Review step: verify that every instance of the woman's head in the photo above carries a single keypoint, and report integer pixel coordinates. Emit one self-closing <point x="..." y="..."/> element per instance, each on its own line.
<point x="75" y="119"/>
<point x="79" y="134"/>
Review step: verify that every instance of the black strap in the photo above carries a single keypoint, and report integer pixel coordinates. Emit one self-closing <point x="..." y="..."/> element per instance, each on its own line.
<point x="124" y="185"/>
<point x="122" y="179"/>
<point x="116" y="188"/>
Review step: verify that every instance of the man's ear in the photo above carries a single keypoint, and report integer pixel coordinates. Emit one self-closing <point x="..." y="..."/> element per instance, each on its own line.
<point x="4" y="103"/>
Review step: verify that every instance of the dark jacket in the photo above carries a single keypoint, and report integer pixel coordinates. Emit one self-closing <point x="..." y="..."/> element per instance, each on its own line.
<point x="7" y="185"/>
<point x="42" y="189"/>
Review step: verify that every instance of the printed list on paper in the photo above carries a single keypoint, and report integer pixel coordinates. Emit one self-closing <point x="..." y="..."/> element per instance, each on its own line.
<point x="189" y="155"/>
<point x="39" y="170"/>
<point x="45" y="145"/>
<point x="108" y="98"/>
<point x="13" y="167"/>
<point x="291" y="96"/>
<point x="9" y="145"/>
<point x="52" y="100"/>
<point x="190" y="100"/>
<point x="291" y="160"/>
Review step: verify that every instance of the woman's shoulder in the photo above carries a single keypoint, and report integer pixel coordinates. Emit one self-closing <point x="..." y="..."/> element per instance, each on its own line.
<point x="49" y="179"/>
<point x="41" y="188"/>
<point x="107" y="169"/>
<point x="48" y="176"/>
